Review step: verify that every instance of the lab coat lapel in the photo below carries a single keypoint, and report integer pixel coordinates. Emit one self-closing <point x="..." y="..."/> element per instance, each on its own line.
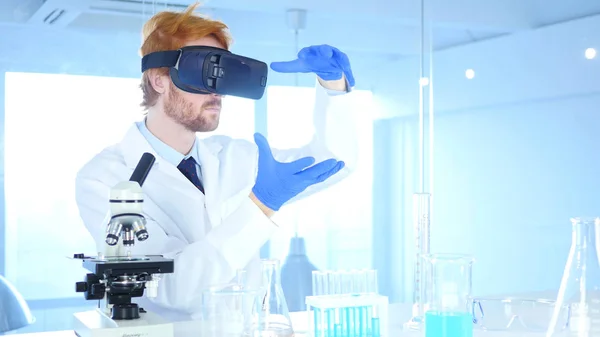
<point x="169" y="189"/>
<point x="209" y="164"/>
<point x="134" y="145"/>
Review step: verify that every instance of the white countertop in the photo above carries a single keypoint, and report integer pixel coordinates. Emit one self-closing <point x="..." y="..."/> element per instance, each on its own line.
<point x="398" y="315"/>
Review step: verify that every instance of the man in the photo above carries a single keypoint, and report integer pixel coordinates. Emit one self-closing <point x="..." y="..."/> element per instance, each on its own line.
<point x="208" y="202"/>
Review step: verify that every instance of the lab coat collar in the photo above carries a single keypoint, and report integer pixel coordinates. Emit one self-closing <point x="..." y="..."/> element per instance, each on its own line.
<point x="165" y="151"/>
<point x="134" y="145"/>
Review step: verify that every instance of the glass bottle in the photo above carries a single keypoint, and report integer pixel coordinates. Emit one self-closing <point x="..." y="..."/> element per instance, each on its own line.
<point x="580" y="284"/>
<point x="273" y="315"/>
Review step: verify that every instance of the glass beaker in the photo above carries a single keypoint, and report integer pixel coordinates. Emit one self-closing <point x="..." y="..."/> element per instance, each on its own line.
<point x="273" y="315"/>
<point x="448" y="299"/>
<point x="228" y="311"/>
<point x="580" y="284"/>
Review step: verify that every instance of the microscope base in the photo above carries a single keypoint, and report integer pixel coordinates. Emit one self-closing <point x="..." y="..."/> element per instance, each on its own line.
<point x="95" y="323"/>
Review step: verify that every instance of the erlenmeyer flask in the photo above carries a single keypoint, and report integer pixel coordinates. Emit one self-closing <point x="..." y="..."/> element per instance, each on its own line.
<point x="273" y="315"/>
<point x="580" y="284"/>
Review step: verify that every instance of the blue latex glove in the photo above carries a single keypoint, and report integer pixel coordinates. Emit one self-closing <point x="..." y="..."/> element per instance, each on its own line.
<point x="278" y="182"/>
<point x="328" y="62"/>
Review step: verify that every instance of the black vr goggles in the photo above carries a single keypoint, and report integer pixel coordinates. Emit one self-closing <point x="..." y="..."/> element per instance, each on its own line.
<point x="210" y="70"/>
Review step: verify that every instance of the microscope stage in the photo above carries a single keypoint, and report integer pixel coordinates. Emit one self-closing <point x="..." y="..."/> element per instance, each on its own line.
<point x="117" y="265"/>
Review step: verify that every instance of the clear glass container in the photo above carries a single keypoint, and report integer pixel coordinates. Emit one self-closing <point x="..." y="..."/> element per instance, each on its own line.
<point x="517" y="314"/>
<point x="580" y="284"/>
<point x="228" y="311"/>
<point x="272" y="310"/>
<point x="448" y="295"/>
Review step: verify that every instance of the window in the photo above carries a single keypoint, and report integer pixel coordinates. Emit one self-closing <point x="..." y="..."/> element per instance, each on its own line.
<point x="336" y="223"/>
<point x="47" y="140"/>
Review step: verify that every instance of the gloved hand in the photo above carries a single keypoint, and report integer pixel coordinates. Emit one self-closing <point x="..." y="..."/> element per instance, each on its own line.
<point x="328" y="62"/>
<point x="278" y="182"/>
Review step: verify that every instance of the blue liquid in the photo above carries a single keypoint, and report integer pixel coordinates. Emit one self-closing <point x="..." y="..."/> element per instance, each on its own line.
<point x="448" y="324"/>
<point x="376" y="332"/>
<point x="346" y="322"/>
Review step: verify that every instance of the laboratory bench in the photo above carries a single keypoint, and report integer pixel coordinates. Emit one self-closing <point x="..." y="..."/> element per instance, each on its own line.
<point x="398" y="314"/>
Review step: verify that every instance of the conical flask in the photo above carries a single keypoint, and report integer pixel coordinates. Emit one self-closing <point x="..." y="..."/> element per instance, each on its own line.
<point x="577" y="309"/>
<point x="273" y="315"/>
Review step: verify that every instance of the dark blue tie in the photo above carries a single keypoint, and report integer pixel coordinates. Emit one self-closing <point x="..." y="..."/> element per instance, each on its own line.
<point x="189" y="170"/>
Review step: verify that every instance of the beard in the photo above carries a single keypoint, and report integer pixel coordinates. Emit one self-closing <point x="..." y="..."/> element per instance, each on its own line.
<point x="195" y="119"/>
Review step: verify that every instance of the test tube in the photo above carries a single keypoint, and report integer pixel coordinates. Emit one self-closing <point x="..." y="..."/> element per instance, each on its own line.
<point x="372" y="286"/>
<point x="375" y="321"/>
<point x="358" y="282"/>
<point x="346" y="282"/>
<point x="319" y="279"/>
<point x="336" y="284"/>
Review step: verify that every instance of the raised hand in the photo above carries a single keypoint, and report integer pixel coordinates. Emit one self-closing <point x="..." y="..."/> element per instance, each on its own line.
<point x="328" y="62"/>
<point x="279" y="182"/>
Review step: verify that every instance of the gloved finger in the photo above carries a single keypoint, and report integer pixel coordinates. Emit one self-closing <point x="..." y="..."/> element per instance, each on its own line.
<point x="263" y="145"/>
<point x="295" y="66"/>
<point x="316" y="170"/>
<point x="326" y="51"/>
<point x="344" y="63"/>
<point x="306" y="52"/>
<point x="340" y="165"/>
<point x="300" y="164"/>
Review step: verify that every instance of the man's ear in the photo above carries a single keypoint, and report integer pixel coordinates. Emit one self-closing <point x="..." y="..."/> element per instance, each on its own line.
<point x="158" y="81"/>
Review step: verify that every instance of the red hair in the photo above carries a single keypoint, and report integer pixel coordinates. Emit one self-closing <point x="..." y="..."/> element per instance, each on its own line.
<point x="171" y="31"/>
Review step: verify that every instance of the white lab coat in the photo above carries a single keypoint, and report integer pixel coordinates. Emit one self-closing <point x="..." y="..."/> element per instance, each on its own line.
<point x="209" y="236"/>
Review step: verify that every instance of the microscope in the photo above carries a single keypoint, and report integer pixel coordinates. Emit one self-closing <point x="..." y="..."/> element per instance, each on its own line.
<point x="116" y="276"/>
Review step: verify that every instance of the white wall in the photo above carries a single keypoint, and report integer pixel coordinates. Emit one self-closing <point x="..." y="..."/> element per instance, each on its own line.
<point x="515" y="152"/>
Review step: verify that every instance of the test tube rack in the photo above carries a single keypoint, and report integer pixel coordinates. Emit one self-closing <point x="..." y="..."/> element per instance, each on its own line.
<point x="351" y="315"/>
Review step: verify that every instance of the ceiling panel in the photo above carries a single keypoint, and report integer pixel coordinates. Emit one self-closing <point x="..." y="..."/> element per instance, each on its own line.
<point x="376" y="26"/>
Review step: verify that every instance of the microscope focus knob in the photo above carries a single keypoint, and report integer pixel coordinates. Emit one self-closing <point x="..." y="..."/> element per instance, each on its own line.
<point x="91" y="288"/>
<point x="81" y="287"/>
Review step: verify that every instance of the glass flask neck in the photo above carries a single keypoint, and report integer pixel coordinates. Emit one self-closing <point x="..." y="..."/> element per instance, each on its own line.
<point x="584" y="231"/>
<point x="271" y="272"/>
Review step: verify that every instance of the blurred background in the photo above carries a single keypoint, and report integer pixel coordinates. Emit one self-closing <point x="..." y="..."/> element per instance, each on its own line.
<point x="508" y="92"/>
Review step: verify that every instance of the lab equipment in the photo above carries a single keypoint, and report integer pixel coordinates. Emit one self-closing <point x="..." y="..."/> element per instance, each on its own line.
<point x="296" y="274"/>
<point x="351" y="315"/>
<point x="580" y="284"/>
<point x="211" y="70"/>
<point x="228" y="311"/>
<point x="343" y="282"/>
<point x="14" y="311"/>
<point x="516" y="314"/>
<point x="329" y="63"/>
<point x="117" y="277"/>
<point x="421" y="228"/>
<point x="126" y="203"/>
<point x="273" y="314"/>
<point x="448" y="301"/>
<point x="277" y="182"/>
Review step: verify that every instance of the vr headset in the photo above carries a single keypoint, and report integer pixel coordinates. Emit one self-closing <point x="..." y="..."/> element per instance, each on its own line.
<point x="211" y="70"/>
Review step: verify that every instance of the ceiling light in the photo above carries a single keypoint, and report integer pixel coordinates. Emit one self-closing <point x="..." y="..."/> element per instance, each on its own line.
<point x="590" y="53"/>
<point x="470" y="73"/>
